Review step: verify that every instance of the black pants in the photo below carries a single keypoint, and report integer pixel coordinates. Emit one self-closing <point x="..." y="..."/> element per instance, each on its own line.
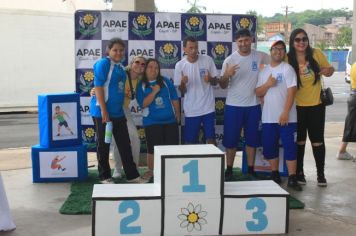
<point x="122" y="140"/>
<point x="350" y="121"/>
<point x="311" y="122"/>
<point x="164" y="134"/>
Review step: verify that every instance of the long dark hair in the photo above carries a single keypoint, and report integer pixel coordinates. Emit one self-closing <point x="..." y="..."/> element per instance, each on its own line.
<point x="292" y="57"/>
<point x="159" y="78"/>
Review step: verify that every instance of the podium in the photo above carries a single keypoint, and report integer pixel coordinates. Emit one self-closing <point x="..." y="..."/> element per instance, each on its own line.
<point x="189" y="197"/>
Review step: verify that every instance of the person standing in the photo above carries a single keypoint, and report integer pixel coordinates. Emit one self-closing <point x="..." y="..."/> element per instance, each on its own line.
<point x="107" y="106"/>
<point x="195" y="75"/>
<point x="158" y="98"/>
<point x="277" y="84"/>
<point x="242" y="109"/>
<point x="350" y="120"/>
<point x="310" y="64"/>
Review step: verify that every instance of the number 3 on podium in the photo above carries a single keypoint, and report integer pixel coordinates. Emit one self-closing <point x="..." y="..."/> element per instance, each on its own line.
<point x="194" y="186"/>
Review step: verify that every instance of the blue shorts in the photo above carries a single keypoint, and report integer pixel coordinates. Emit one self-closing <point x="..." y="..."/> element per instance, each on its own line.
<point x="272" y="132"/>
<point x="192" y="127"/>
<point x="236" y="118"/>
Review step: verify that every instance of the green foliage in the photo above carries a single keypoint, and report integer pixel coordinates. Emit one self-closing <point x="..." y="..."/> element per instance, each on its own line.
<point x="260" y="20"/>
<point x="322" y="45"/>
<point x="319" y="17"/>
<point x="194" y="7"/>
<point x="344" y="38"/>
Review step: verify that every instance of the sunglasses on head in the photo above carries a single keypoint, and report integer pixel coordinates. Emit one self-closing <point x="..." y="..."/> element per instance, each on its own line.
<point x="140" y="63"/>
<point x="298" y="40"/>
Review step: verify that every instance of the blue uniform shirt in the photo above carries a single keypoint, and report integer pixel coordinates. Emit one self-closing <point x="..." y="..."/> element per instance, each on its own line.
<point x="160" y="111"/>
<point x="112" y="78"/>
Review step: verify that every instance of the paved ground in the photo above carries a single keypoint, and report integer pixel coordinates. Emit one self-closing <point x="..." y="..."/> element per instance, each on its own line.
<point x="329" y="211"/>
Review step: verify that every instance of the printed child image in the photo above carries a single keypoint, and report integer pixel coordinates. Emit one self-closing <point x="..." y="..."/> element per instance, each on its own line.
<point x="58" y="164"/>
<point x="64" y="117"/>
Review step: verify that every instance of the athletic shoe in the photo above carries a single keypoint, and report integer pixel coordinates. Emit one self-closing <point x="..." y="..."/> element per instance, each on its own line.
<point x="107" y="181"/>
<point x="322" y="181"/>
<point x="301" y="179"/>
<point x="293" y="183"/>
<point x="116" y="174"/>
<point x="344" y="156"/>
<point x="137" y="180"/>
<point x="228" y="175"/>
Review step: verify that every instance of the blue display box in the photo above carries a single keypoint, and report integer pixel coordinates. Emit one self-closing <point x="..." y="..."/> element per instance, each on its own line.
<point x="59" y="164"/>
<point x="59" y="120"/>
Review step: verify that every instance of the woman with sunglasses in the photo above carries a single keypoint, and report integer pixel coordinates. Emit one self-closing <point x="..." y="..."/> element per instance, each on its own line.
<point x="310" y="64"/>
<point x="158" y="98"/>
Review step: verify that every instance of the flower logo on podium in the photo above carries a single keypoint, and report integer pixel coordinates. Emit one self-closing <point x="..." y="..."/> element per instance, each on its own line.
<point x="86" y="82"/>
<point x="192" y="217"/>
<point x="88" y="24"/>
<point x="142" y="25"/>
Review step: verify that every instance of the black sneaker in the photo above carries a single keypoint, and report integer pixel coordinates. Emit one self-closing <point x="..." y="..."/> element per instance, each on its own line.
<point x="301" y="179"/>
<point x="228" y="175"/>
<point x="293" y="183"/>
<point x="322" y="181"/>
<point x="275" y="177"/>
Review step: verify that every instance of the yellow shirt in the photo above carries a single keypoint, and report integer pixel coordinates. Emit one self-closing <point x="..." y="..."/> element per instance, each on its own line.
<point x="308" y="93"/>
<point x="128" y="91"/>
<point x="353" y="76"/>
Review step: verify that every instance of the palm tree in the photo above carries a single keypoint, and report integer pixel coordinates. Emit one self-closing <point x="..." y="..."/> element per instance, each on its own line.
<point x="194" y="7"/>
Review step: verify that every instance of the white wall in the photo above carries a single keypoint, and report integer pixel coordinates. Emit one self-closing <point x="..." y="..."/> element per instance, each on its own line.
<point x="37" y="55"/>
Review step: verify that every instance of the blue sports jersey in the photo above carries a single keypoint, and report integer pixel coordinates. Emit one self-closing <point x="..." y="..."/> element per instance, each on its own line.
<point x="160" y="111"/>
<point x="114" y="87"/>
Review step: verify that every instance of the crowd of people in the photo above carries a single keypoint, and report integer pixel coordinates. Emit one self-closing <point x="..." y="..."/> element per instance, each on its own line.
<point x="271" y="97"/>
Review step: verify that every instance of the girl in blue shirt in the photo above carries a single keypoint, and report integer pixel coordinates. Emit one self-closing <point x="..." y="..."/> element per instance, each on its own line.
<point x="106" y="106"/>
<point x="158" y="98"/>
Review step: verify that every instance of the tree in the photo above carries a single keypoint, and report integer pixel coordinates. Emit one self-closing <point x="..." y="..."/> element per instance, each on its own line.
<point x="260" y="20"/>
<point x="194" y="7"/>
<point x="322" y="45"/>
<point x="343" y="38"/>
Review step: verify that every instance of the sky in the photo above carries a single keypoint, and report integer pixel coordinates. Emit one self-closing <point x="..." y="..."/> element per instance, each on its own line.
<point x="264" y="7"/>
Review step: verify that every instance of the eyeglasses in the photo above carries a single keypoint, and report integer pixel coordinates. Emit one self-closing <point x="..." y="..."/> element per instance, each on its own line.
<point x="298" y="40"/>
<point x="140" y="63"/>
<point x="278" y="49"/>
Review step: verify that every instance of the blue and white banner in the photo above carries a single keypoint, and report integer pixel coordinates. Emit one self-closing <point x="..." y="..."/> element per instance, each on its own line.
<point x="158" y="35"/>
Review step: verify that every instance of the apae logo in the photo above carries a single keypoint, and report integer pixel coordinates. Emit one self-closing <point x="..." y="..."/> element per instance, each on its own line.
<point x="86" y="81"/>
<point x="168" y="26"/>
<point x="194" y="26"/>
<point x="88" y="24"/>
<point x="168" y="54"/>
<point x="115" y="25"/>
<point x="244" y="23"/>
<point x="142" y="25"/>
<point x="219" y="53"/>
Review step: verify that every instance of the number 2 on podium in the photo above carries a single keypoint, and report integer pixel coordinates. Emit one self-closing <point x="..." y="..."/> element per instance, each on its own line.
<point x="124" y="224"/>
<point x="194" y="186"/>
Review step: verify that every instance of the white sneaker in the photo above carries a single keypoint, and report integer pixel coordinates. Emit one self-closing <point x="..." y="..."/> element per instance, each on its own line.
<point x="344" y="156"/>
<point x="116" y="174"/>
<point x="138" y="180"/>
<point x="107" y="181"/>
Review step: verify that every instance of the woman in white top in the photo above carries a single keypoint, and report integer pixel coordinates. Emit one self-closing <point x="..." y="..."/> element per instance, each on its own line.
<point x="6" y="222"/>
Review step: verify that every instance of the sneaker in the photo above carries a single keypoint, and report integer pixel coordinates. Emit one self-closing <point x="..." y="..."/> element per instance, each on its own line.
<point x="137" y="180"/>
<point x="344" y="156"/>
<point x="301" y="179"/>
<point x="275" y="177"/>
<point x="116" y="174"/>
<point x="147" y="175"/>
<point x="293" y="183"/>
<point x="107" y="181"/>
<point x="228" y="175"/>
<point x="322" y="181"/>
